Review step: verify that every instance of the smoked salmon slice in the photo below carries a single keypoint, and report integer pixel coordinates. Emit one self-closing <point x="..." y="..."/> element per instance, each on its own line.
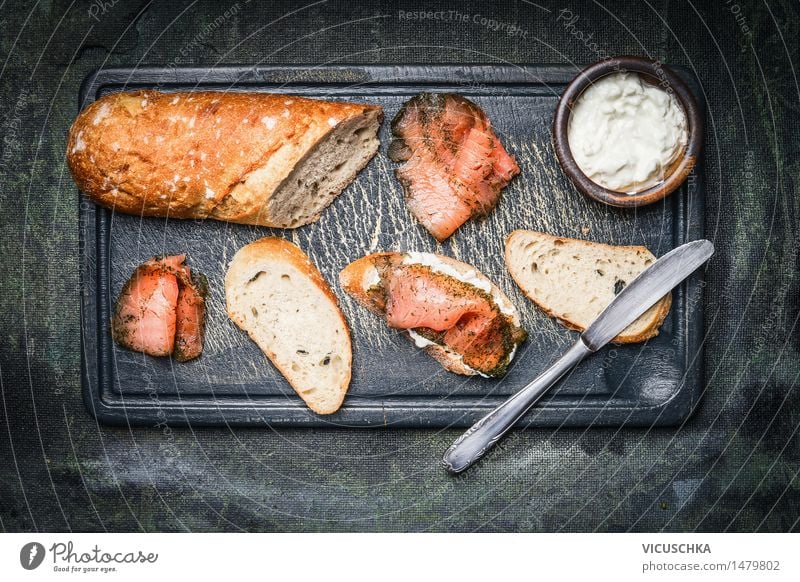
<point x="190" y="321"/>
<point x="454" y="166"/>
<point x="161" y="310"/>
<point x="451" y="313"/>
<point x="417" y="297"/>
<point x="144" y="319"/>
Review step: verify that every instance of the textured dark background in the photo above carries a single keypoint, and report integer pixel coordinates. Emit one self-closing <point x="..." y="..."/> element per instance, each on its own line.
<point x="732" y="467"/>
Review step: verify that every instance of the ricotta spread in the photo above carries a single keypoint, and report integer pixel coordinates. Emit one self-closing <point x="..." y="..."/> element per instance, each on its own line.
<point x="625" y="133"/>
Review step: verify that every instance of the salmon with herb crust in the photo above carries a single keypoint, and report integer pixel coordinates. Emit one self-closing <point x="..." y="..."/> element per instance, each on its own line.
<point x="161" y="310"/>
<point x="454" y="165"/>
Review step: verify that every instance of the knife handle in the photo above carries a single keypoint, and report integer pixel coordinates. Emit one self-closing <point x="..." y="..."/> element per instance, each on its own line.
<point x="472" y="445"/>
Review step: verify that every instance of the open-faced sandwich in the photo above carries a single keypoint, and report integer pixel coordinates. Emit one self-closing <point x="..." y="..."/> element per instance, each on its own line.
<point x="445" y="306"/>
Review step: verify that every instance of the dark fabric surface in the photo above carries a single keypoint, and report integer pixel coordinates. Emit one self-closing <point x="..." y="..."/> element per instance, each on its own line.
<point x="733" y="466"/>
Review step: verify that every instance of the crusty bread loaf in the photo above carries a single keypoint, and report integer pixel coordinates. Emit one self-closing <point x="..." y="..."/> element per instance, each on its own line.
<point x="253" y="158"/>
<point x="358" y="277"/>
<point x="574" y="280"/>
<point x="275" y="294"/>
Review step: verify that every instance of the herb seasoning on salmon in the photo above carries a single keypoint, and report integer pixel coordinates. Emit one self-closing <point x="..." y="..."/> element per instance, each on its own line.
<point x="161" y="310"/>
<point x="454" y="165"/>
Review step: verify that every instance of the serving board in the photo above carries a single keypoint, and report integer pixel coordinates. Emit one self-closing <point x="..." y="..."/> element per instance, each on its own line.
<point x="393" y="384"/>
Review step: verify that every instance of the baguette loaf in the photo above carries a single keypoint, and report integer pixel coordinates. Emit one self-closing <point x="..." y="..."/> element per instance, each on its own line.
<point x="275" y="294"/>
<point x="574" y="280"/>
<point x="253" y="158"/>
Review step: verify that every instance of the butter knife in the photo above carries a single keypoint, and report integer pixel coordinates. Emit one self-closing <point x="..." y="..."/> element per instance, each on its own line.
<point x="636" y="298"/>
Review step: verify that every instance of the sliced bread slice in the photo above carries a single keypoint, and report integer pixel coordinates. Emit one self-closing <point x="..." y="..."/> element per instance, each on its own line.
<point x="574" y="280"/>
<point x="275" y="294"/>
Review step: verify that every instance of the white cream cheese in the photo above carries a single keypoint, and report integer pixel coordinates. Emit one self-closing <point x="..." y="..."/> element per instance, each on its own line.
<point x="419" y="341"/>
<point x="625" y="133"/>
<point x="436" y="264"/>
<point x="370" y="278"/>
<point x="102" y="113"/>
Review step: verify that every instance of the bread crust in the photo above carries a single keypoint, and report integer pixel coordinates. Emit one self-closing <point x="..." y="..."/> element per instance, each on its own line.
<point x="182" y="154"/>
<point x="352" y="276"/>
<point x="290" y="253"/>
<point x="651" y="331"/>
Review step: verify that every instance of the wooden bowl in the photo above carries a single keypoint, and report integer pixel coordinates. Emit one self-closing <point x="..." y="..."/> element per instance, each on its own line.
<point x="651" y="72"/>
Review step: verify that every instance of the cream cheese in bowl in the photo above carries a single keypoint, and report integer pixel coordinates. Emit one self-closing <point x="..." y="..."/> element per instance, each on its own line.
<point x="625" y="133"/>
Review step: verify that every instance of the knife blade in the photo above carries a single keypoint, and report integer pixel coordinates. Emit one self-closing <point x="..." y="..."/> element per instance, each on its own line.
<point x="635" y="299"/>
<point x="645" y="291"/>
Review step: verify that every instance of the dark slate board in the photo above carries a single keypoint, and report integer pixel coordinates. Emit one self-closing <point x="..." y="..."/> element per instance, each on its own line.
<point x="394" y="384"/>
